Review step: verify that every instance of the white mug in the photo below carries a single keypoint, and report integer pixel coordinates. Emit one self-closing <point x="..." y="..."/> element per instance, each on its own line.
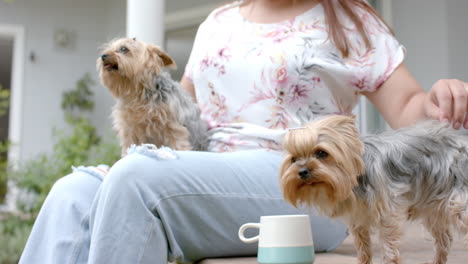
<point x="282" y="239"/>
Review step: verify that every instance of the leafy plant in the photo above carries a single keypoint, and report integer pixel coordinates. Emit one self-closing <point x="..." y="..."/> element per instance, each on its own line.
<point x="78" y="145"/>
<point x="4" y="103"/>
<point x="79" y="100"/>
<point x="3" y="170"/>
<point x="4" y="100"/>
<point x="15" y="231"/>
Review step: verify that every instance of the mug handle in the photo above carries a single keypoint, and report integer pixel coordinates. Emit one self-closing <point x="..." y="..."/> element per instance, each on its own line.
<point x="245" y="227"/>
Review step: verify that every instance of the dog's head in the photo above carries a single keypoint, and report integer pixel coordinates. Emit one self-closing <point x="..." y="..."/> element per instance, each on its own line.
<point x="128" y="61"/>
<point x="322" y="163"/>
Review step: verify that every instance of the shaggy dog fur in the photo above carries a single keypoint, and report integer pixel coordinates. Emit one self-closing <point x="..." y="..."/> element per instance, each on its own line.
<point x="151" y="107"/>
<point x="379" y="181"/>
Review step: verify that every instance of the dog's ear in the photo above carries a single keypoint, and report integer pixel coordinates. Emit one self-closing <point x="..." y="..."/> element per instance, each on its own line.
<point x="167" y="61"/>
<point x="345" y="125"/>
<point x="338" y="122"/>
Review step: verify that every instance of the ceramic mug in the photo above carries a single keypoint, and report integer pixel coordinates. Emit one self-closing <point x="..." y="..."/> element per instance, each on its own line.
<point x="282" y="239"/>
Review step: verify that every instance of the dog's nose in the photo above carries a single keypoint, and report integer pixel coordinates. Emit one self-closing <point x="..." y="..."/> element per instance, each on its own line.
<point x="104" y="57"/>
<point x="304" y="173"/>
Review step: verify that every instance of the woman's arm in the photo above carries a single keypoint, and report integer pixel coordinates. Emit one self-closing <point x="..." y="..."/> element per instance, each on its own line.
<point x="188" y="86"/>
<point x="402" y="101"/>
<point x="399" y="99"/>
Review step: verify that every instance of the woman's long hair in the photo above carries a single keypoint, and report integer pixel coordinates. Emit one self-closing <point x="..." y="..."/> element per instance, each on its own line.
<point x="336" y="30"/>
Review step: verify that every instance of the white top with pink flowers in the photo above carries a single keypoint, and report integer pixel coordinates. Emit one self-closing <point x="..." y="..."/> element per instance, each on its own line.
<point x="254" y="81"/>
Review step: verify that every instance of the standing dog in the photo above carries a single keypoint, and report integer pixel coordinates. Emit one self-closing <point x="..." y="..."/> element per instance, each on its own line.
<point x="151" y="107"/>
<point x="379" y="181"/>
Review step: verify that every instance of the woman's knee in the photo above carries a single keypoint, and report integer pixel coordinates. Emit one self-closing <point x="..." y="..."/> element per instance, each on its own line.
<point x="78" y="187"/>
<point x="140" y="167"/>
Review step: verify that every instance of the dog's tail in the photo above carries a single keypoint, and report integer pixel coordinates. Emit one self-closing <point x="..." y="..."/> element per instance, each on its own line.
<point x="464" y="223"/>
<point x="463" y="227"/>
<point x="458" y="206"/>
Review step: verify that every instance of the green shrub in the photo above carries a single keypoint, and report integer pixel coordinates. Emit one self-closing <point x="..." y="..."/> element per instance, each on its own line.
<point x="3" y="170"/>
<point x="4" y="103"/>
<point x="15" y="231"/>
<point x="4" y="100"/>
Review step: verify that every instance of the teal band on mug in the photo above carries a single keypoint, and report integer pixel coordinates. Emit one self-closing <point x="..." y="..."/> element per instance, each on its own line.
<point x="286" y="255"/>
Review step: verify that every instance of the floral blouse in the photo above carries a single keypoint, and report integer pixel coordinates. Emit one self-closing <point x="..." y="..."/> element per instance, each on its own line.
<point x="253" y="80"/>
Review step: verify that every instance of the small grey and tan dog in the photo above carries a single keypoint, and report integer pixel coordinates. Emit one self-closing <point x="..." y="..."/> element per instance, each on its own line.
<point x="151" y="107"/>
<point x="380" y="181"/>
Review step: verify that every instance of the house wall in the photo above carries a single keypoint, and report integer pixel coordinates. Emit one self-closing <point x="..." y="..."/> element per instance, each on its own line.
<point x="55" y="69"/>
<point x="458" y="38"/>
<point x="435" y="34"/>
<point x="179" y="45"/>
<point x="174" y="6"/>
<point x="421" y="26"/>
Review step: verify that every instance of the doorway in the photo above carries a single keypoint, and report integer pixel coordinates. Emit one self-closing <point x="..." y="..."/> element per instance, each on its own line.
<point x="6" y="61"/>
<point x="12" y="49"/>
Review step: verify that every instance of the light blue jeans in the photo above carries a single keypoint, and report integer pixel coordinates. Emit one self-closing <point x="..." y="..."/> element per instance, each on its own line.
<point x="156" y="206"/>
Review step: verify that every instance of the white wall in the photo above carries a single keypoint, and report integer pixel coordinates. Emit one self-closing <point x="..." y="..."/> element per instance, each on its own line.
<point x="435" y="34"/>
<point x="421" y="26"/>
<point x="56" y="70"/>
<point x="179" y="45"/>
<point x="458" y="38"/>
<point x="177" y="5"/>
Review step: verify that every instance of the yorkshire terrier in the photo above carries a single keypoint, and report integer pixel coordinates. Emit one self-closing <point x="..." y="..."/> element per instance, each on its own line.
<point x="380" y="181"/>
<point x="151" y="107"/>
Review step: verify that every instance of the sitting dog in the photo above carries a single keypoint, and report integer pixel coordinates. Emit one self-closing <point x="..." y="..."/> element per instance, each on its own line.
<point x="380" y="181"/>
<point x="151" y="107"/>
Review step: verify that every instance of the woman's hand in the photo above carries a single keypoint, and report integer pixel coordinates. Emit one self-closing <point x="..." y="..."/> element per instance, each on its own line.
<point x="402" y="101"/>
<point x="447" y="101"/>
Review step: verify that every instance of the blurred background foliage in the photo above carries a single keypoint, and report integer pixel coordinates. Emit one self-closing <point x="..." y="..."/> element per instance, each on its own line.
<point x="4" y="103"/>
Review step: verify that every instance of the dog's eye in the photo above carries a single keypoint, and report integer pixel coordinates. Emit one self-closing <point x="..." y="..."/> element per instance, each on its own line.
<point x="124" y="50"/>
<point x="321" y="154"/>
<point x="293" y="159"/>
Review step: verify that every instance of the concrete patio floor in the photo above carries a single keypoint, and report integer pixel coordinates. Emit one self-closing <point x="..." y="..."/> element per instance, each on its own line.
<point x="416" y="248"/>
